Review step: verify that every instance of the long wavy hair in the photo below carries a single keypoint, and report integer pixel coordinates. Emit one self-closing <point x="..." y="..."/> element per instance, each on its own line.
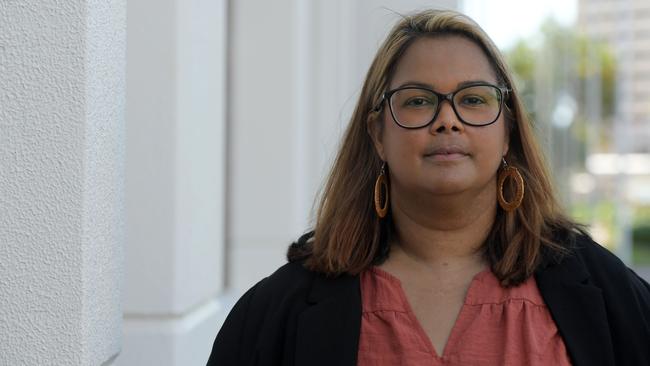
<point x="348" y="236"/>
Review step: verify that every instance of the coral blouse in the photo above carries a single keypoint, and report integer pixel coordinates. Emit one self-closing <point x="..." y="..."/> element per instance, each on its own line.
<point x="495" y="326"/>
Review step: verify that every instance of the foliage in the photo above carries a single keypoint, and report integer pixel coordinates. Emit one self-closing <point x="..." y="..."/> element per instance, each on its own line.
<point x="641" y="227"/>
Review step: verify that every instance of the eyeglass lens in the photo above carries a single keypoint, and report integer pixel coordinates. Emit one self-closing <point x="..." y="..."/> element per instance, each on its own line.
<point x="416" y="107"/>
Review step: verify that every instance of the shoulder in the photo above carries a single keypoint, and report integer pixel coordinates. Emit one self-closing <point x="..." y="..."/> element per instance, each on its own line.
<point x="597" y="258"/>
<point x="603" y="265"/>
<point x="288" y="286"/>
<point x="590" y="290"/>
<point x="606" y="271"/>
<point x="261" y="316"/>
<point x="590" y="250"/>
<point x="583" y="251"/>
<point x="290" y="280"/>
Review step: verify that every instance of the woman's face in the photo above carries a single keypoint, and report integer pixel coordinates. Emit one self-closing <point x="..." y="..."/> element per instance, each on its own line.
<point x="447" y="156"/>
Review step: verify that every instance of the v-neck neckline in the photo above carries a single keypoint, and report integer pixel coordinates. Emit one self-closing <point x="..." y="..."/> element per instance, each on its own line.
<point x="421" y="333"/>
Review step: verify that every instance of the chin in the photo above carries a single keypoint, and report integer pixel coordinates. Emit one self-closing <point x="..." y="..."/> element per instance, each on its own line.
<point x="449" y="180"/>
<point x="447" y="187"/>
<point x="446" y="190"/>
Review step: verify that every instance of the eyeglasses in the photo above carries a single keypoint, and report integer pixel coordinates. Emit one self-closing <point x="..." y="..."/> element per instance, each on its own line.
<point x="416" y="107"/>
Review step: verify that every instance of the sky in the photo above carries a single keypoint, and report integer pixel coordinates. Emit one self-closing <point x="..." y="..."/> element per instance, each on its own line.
<point x="505" y="21"/>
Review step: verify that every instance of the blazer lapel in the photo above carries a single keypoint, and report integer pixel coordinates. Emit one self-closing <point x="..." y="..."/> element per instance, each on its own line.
<point x="579" y="312"/>
<point x="328" y="330"/>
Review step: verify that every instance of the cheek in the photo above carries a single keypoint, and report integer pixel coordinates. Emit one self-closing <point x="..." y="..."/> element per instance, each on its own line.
<point x="506" y="136"/>
<point x="496" y="135"/>
<point x="499" y="142"/>
<point x="403" y="144"/>
<point x="489" y="142"/>
<point x="391" y="137"/>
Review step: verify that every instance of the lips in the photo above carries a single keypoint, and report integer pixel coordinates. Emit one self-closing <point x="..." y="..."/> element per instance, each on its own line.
<point x="441" y="151"/>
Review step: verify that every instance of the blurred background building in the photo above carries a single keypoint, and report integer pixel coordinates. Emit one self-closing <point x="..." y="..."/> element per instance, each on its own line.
<point x="159" y="156"/>
<point x="625" y="26"/>
<point x="620" y="159"/>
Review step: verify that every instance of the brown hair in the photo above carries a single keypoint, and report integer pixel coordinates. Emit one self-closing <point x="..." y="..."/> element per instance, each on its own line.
<point x="348" y="235"/>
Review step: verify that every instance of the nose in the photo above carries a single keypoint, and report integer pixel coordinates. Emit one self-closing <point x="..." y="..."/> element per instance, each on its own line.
<point x="446" y="120"/>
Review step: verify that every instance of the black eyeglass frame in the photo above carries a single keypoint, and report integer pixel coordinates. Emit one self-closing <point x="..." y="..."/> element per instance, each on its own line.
<point x="503" y="95"/>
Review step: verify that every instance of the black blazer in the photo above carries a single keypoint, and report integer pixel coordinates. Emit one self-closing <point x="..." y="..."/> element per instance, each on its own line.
<point x="297" y="317"/>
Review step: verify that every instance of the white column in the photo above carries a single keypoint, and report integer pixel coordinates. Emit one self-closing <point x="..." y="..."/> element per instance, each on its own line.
<point x="61" y="181"/>
<point x="175" y="163"/>
<point x="297" y="69"/>
<point x="262" y="131"/>
<point x="288" y="89"/>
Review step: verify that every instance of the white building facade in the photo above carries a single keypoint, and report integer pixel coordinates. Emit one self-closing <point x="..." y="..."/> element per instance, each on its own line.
<point x="157" y="159"/>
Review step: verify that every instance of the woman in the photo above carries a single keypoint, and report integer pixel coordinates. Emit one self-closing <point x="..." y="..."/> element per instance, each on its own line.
<point x="438" y="238"/>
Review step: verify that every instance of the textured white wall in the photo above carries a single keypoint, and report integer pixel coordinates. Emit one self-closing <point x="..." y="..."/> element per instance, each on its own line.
<point x="103" y="179"/>
<point x="61" y="152"/>
<point x="175" y="166"/>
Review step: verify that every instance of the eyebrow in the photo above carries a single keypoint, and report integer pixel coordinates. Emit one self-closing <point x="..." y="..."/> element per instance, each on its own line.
<point x="459" y="85"/>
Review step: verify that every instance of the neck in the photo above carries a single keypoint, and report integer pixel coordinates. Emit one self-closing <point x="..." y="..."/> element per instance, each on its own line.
<point x="443" y="233"/>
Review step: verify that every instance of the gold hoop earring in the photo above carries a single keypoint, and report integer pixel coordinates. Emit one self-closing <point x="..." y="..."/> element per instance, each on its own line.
<point x="381" y="185"/>
<point x="510" y="172"/>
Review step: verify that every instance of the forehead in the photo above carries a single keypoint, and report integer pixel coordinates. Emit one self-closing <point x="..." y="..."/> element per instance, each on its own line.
<point x="442" y="62"/>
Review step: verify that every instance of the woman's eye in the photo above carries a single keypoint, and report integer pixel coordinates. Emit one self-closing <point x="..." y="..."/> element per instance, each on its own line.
<point x="473" y="100"/>
<point x="417" y="102"/>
